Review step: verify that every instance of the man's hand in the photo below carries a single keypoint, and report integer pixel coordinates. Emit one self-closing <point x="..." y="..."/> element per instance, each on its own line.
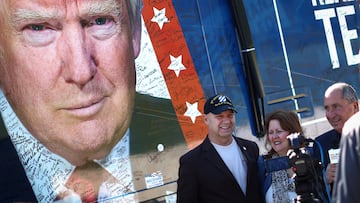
<point x="330" y="173"/>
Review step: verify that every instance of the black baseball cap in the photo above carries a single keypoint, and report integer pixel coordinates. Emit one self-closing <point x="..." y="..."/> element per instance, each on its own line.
<point x="218" y="103"/>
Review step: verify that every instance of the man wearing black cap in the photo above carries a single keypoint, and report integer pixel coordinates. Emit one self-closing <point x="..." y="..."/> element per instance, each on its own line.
<point x="223" y="167"/>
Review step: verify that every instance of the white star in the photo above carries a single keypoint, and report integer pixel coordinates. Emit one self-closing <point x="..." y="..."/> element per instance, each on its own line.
<point x="176" y="65"/>
<point x="160" y="17"/>
<point x="192" y="111"/>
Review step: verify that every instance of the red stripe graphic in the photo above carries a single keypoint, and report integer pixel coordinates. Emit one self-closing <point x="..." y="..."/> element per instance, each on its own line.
<point x="177" y="67"/>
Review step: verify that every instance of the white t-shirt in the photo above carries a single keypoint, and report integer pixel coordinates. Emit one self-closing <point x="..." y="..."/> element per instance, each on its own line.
<point x="235" y="161"/>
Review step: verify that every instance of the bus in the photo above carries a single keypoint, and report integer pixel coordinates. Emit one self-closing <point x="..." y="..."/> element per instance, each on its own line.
<point x="265" y="55"/>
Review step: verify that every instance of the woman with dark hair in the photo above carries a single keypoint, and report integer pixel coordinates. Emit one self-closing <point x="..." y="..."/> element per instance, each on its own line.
<point x="278" y="185"/>
<point x="275" y="173"/>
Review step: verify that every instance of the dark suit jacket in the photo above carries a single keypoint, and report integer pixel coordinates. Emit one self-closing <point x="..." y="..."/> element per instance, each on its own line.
<point x="14" y="185"/>
<point x="204" y="177"/>
<point x="328" y="140"/>
<point x="154" y="121"/>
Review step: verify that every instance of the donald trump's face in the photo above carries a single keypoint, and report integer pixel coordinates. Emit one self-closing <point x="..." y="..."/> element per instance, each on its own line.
<point x="67" y="69"/>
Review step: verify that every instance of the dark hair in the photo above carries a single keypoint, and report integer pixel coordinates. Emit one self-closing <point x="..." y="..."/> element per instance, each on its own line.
<point x="288" y="120"/>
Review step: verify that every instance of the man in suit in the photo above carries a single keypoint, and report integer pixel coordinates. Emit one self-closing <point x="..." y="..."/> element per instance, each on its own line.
<point x="340" y="103"/>
<point x="223" y="167"/>
<point x="67" y="79"/>
<point x="346" y="183"/>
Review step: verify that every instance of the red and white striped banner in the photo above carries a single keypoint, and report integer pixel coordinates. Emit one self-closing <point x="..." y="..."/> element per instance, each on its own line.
<point x="177" y="68"/>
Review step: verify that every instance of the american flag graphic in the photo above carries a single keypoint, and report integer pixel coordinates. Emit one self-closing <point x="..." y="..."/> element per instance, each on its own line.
<point x="164" y="50"/>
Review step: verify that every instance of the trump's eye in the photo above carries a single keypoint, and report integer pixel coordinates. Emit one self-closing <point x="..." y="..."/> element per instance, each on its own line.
<point x="102" y="27"/>
<point x="100" y="21"/>
<point x="97" y="21"/>
<point x="36" y="27"/>
<point x="39" y="34"/>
